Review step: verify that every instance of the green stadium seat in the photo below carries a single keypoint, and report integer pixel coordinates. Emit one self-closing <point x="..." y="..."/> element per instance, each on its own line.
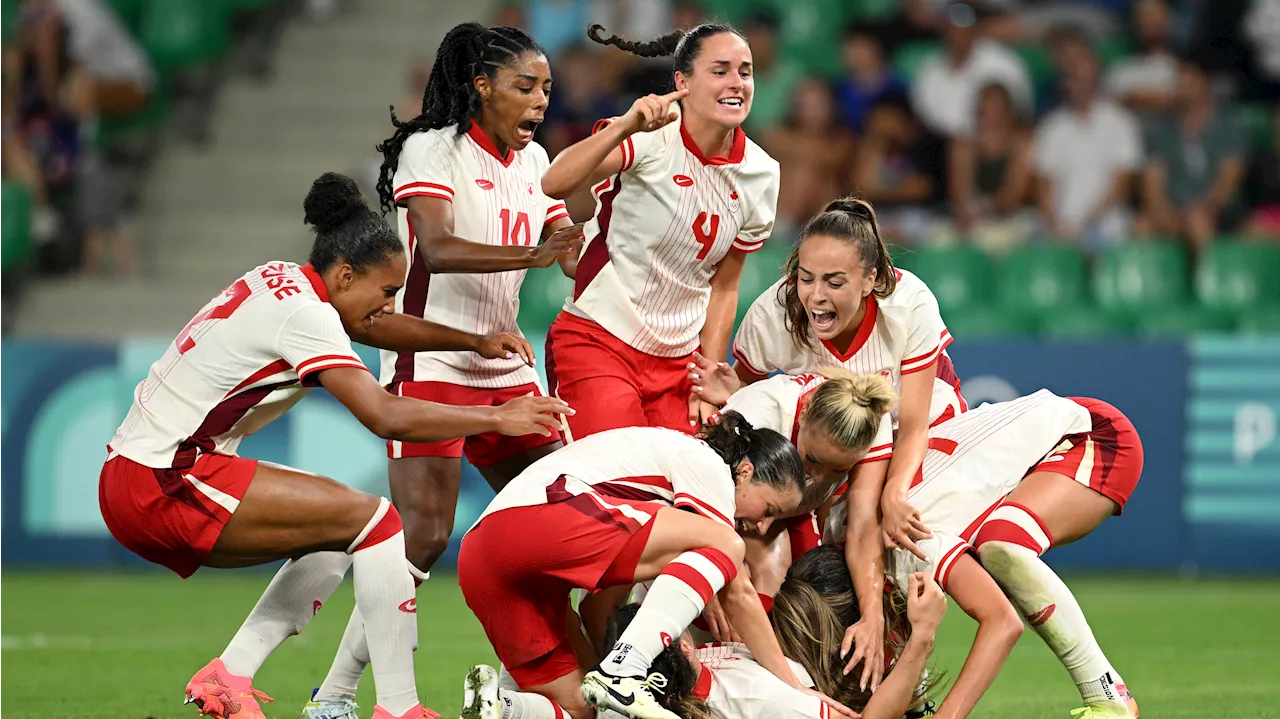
<point x="910" y="58"/>
<point x="1260" y="321"/>
<point x="1257" y="122"/>
<point x="1181" y="321"/>
<point x="9" y="21"/>
<point x="1039" y="62"/>
<point x="959" y="276"/>
<point x="812" y="32"/>
<point x="184" y="34"/>
<point x="1084" y="321"/>
<point x="763" y="268"/>
<point x="130" y="13"/>
<point x="1142" y="275"/>
<point x="15" y="216"/>
<point x="541" y="297"/>
<point x="977" y="322"/>
<point x="1236" y="275"/>
<point x="1113" y="49"/>
<point x="1038" y="278"/>
<point x="872" y="10"/>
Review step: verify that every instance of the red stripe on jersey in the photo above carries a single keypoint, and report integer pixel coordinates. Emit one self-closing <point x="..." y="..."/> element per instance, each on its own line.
<point x="747" y="247"/>
<point x="859" y="339"/>
<point x="622" y="491"/>
<point x="702" y="687"/>
<point x="947" y="373"/>
<point x="220" y="419"/>
<point x="443" y="189"/>
<point x="736" y="153"/>
<point x="274" y="368"/>
<point x="946" y="567"/>
<point x="424" y="193"/>
<point x="308" y="376"/>
<point x="701" y="507"/>
<point x="415" y="302"/>
<point x="487" y="144"/>
<point x="738" y="355"/>
<point x="800" y="403"/>
<point x="597" y="254"/>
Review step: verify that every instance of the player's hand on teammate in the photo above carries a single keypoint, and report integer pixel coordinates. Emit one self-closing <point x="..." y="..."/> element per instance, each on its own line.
<point x="531" y="415"/>
<point x="864" y="642"/>
<point x="718" y="621"/>
<point x="566" y="241"/>
<point x="926" y="603"/>
<point x="505" y="345"/>
<point x="652" y="112"/>
<point x="713" y="382"/>
<point x="902" y="524"/>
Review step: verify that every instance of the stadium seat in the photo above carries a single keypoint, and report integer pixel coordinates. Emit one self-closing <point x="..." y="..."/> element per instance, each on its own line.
<point x="977" y="322"/>
<point x="1038" y="278"/>
<point x="1181" y="321"/>
<point x="1235" y="275"/>
<point x="910" y="58"/>
<point x="15" y="216"/>
<point x="130" y="13"/>
<point x="1256" y="123"/>
<point x="9" y="21"/>
<point x="959" y="276"/>
<point x="1084" y="321"/>
<point x="1260" y="321"/>
<point x="762" y="269"/>
<point x="184" y="34"/>
<point x="872" y="10"/>
<point x="1132" y="277"/>
<point x="541" y="297"/>
<point x="811" y="33"/>
<point x="1039" y="62"/>
<point x="1110" y="50"/>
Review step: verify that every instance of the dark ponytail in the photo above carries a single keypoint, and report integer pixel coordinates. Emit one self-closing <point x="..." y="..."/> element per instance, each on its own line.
<point x="467" y="51"/>
<point x="347" y="230"/>
<point x="850" y="220"/>
<point x="777" y="464"/>
<point x="677" y="697"/>
<point x="683" y="46"/>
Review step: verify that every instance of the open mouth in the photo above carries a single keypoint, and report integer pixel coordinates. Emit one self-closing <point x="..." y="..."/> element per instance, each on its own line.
<point x="526" y="129"/>
<point x="823" y="321"/>
<point x="734" y="102"/>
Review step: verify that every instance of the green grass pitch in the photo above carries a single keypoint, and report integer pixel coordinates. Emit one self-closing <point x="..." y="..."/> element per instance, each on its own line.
<point x="122" y="646"/>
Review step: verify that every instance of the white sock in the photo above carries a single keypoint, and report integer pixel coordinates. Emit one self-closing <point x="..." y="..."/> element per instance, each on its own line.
<point x="527" y="705"/>
<point x="384" y="595"/>
<point x="292" y="598"/>
<point x="1010" y="543"/>
<point x="353" y="652"/>
<point x="674" y="600"/>
<point x="506" y="681"/>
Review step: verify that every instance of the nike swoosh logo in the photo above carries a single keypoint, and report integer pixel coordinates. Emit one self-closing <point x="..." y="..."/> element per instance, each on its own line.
<point x="624" y="701"/>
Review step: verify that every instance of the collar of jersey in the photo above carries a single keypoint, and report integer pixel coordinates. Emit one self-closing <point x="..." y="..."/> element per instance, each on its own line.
<point x="702" y="687"/>
<point x="736" y="153"/>
<point x="317" y="282"/>
<point x="859" y="339"/>
<point x="486" y="143"/>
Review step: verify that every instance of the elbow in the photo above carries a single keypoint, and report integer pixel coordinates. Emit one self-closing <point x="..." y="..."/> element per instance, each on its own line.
<point x="387" y="425"/>
<point x="554" y="188"/>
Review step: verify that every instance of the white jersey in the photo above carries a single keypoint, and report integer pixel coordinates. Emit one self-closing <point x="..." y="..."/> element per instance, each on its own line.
<point x="496" y="201"/>
<point x="634" y="463"/>
<point x="735" y="686"/>
<point x="777" y="403"/>
<point x="240" y="363"/>
<point x="899" y="334"/>
<point x="973" y="461"/>
<point x="661" y="226"/>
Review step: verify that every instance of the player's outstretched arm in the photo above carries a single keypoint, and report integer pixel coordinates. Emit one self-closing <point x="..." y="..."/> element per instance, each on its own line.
<point x="413" y="420"/>
<point x="999" y="627"/>
<point x="406" y="333"/>
<point x="443" y="251"/>
<point x="926" y="605"/>
<point x="864" y="554"/>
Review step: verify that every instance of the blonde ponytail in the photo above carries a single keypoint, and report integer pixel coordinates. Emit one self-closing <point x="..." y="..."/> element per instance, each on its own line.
<point x="848" y="408"/>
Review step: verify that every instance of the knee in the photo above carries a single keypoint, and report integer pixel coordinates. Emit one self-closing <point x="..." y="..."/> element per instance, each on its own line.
<point x="729" y="542"/>
<point x="577" y="707"/>
<point x="426" y="536"/>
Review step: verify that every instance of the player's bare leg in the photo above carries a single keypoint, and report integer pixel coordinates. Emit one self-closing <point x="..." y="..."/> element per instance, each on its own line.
<point x="287" y="513"/>
<point x="1050" y="509"/>
<point x="500" y="473"/>
<point x="689" y="558"/>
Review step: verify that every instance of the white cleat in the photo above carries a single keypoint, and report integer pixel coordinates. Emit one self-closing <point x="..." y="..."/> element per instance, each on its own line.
<point x="632" y="696"/>
<point x="335" y="708"/>
<point x="480" y="694"/>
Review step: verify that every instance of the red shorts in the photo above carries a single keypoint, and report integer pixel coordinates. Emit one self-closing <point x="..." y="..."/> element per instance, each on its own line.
<point x="517" y="567"/>
<point x="1107" y="459"/>
<point x="612" y="384"/>
<point x="172" y="516"/>
<point x="482" y="450"/>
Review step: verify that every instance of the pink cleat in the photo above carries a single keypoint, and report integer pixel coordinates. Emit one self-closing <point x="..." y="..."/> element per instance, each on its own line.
<point x="223" y="695"/>
<point x="418" y="712"/>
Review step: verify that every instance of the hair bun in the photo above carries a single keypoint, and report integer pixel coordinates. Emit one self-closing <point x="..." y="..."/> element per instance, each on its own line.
<point x="334" y="199"/>
<point x="851" y="205"/>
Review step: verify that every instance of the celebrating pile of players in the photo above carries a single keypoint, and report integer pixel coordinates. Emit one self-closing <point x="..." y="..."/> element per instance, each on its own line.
<point x="806" y="506"/>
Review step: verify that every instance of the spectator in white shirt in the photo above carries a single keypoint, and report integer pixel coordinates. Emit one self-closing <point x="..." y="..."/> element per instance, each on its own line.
<point x="1147" y="81"/>
<point x="1085" y="156"/>
<point x="945" y="92"/>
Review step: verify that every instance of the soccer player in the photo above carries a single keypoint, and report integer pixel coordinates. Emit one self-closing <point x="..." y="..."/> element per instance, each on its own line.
<point x="173" y="491"/>
<point x="618" y="507"/>
<point x="1011" y="480"/>
<point x="682" y="197"/>
<point x="842" y="303"/>
<point x="465" y="181"/>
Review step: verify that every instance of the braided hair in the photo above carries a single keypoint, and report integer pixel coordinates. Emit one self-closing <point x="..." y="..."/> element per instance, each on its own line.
<point x="467" y="51"/>
<point x="683" y="46"/>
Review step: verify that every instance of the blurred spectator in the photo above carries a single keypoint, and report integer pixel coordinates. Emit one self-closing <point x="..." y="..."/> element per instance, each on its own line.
<point x="1195" y="163"/>
<point x="775" y="77"/>
<point x="557" y="24"/>
<point x="914" y="21"/>
<point x="867" y="78"/>
<point x="1147" y="81"/>
<point x="945" y="93"/>
<point x="639" y="19"/>
<point x="1027" y="21"/>
<point x="511" y="14"/>
<point x="582" y="94"/>
<point x="814" y="151"/>
<point x="112" y="74"/>
<point x="1085" y="153"/>
<point x="990" y="175"/>
<point x="686" y="15"/>
<point x="898" y="168"/>
<point x="1264" y="188"/>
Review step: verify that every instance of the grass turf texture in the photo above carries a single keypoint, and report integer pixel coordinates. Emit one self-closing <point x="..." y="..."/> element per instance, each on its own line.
<point x="122" y="646"/>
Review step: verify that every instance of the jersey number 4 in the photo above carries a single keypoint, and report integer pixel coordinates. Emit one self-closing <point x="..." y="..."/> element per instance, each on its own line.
<point x="219" y="308"/>
<point x="705" y="233"/>
<point x="517" y="232"/>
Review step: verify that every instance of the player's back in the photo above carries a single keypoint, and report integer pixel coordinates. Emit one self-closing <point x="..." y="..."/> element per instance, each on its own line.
<point x="740" y="688"/>
<point x="234" y="367"/>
